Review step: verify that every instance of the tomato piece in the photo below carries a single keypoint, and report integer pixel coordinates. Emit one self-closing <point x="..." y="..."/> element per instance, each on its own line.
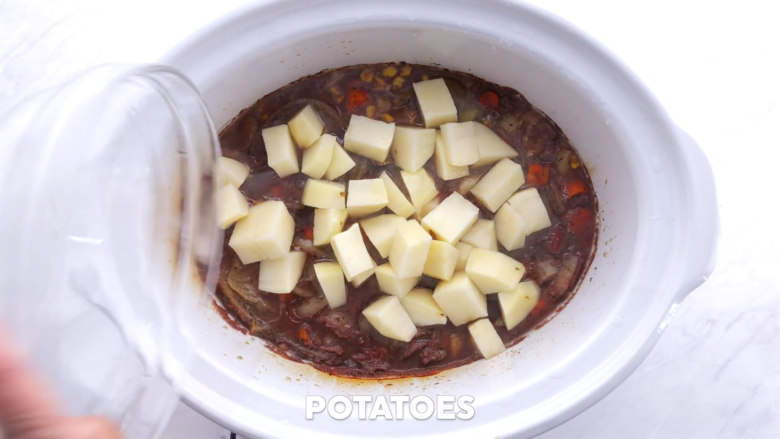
<point x="304" y="336"/>
<point x="309" y="232"/>
<point x="554" y="242"/>
<point x="488" y="99"/>
<point x="356" y="97"/>
<point x="581" y="222"/>
<point x="538" y="310"/>
<point x="573" y="188"/>
<point x="284" y="298"/>
<point x="538" y="174"/>
<point x="276" y="191"/>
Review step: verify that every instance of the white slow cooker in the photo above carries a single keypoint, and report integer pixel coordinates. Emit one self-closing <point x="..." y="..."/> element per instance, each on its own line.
<point x="658" y="211"/>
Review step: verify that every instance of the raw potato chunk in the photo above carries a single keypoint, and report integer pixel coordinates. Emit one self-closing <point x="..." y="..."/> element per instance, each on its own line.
<point x="232" y="171"/>
<point x="510" y="228"/>
<point x="390" y="319"/>
<point x="316" y="158"/>
<point x="465" y="185"/>
<point x="231" y="206"/>
<point x="460" y="299"/>
<point x="530" y="206"/>
<point x="436" y="103"/>
<point x="422" y="309"/>
<point x="351" y="252"/>
<point x="428" y="208"/>
<point x="306" y="127"/>
<point x="421" y="187"/>
<point x="409" y="250"/>
<point x="324" y="194"/>
<point x="463" y="256"/>
<point x="365" y="197"/>
<point x="518" y="303"/>
<point x="492" y="271"/>
<point x="280" y="149"/>
<point x="369" y="138"/>
<point x="491" y="147"/>
<point x="340" y="163"/>
<point x="460" y="143"/>
<point x="331" y="279"/>
<point x="486" y="338"/>
<point x="389" y="282"/>
<point x="362" y="278"/>
<point x="265" y="233"/>
<point x="280" y="275"/>
<point x="328" y="222"/>
<point x="444" y="169"/>
<point x="451" y="219"/>
<point x="499" y="184"/>
<point x="441" y="261"/>
<point x="482" y="235"/>
<point x="381" y="230"/>
<point x="412" y="147"/>
<point x="396" y="200"/>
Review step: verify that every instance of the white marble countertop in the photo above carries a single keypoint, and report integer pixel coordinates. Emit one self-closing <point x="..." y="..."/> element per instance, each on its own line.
<point x="715" y="66"/>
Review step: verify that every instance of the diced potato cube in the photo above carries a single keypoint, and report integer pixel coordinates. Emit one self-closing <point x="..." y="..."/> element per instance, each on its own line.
<point x="362" y="278"/>
<point x="306" y="127"/>
<point x="486" y="338"/>
<point x="381" y="230"/>
<point x="331" y="279"/>
<point x="366" y="196"/>
<point x="518" y="303"/>
<point x="441" y="261"/>
<point x="316" y="158"/>
<point x="436" y="103"/>
<point x="340" y="163"/>
<point x="503" y="179"/>
<point x="465" y="185"/>
<point x="396" y="200"/>
<point x="324" y="194"/>
<point x="492" y="148"/>
<point x="390" y="319"/>
<point x="351" y="252"/>
<point x="232" y="171"/>
<point x="265" y="233"/>
<point x="231" y="206"/>
<point x="460" y="143"/>
<point x="451" y="219"/>
<point x="412" y="147"/>
<point x="421" y="187"/>
<point x="460" y="299"/>
<point x="428" y="208"/>
<point x="463" y="256"/>
<point x="422" y="309"/>
<point x="510" y="228"/>
<point x="444" y="169"/>
<point x="369" y="138"/>
<point x="280" y="149"/>
<point x="389" y="282"/>
<point x="409" y="250"/>
<point x="530" y="206"/>
<point x="280" y="275"/>
<point x="492" y="271"/>
<point x="482" y="235"/>
<point x="328" y="222"/>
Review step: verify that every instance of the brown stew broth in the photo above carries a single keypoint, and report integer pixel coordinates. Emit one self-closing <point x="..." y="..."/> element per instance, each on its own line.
<point x="341" y="341"/>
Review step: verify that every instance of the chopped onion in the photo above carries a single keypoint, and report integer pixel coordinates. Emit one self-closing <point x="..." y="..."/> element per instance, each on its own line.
<point x="311" y="306"/>
<point x="243" y="279"/>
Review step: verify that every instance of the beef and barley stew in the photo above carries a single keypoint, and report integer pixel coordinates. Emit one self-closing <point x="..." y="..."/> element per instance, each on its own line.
<point x="396" y="220"/>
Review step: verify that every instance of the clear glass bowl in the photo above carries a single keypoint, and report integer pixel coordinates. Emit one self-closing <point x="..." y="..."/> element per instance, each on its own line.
<point x="107" y="185"/>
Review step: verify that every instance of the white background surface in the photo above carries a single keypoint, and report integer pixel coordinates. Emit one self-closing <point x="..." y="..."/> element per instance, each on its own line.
<point x="715" y="66"/>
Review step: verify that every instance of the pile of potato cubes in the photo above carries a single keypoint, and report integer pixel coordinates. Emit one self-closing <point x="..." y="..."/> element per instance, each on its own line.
<point x="445" y="240"/>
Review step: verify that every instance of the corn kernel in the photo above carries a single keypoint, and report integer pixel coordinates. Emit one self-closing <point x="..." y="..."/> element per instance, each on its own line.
<point x="406" y="70"/>
<point x="389" y="71"/>
<point x="575" y="161"/>
<point x="398" y="82"/>
<point x="388" y="118"/>
<point x="425" y="77"/>
<point x="337" y="96"/>
<point x="367" y="75"/>
<point x="370" y="111"/>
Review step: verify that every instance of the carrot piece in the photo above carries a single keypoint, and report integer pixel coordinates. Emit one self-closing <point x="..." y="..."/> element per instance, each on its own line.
<point x="309" y="232"/>
<point x="555" y="241"/>
<point x="539" y="308"/>
<point x="581" y="222"/>
<point x="538" y="174"/>
<point x="284" y="298"/>
<point x="276" y="191"/>
<point x="356" y="97"/>
<point x="574" y="187"/>
<point x="304" y="336"/>
<point x="488" y="99"/>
